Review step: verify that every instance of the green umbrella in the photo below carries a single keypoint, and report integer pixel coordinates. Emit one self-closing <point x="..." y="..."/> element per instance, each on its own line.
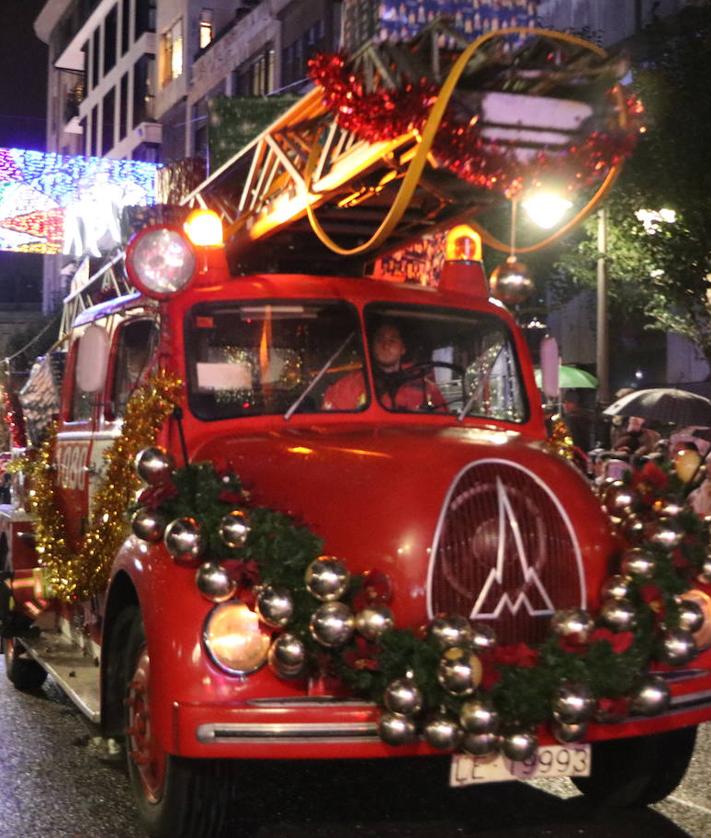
<point x="572" y="378"/>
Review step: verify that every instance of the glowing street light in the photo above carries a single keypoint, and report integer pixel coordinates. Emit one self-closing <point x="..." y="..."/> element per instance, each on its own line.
<point x="546" y="209"/>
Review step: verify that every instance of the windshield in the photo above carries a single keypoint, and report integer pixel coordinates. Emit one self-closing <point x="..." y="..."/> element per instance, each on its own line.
<point x="439" y="360"/>
<point x="247" y="359"/>
<point x="252" y="359"/>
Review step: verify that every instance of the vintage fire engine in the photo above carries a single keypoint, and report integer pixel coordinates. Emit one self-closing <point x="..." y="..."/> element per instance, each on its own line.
<point x="263" y="364"/>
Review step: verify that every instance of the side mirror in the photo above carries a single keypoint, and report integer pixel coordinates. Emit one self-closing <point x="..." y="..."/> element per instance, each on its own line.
<point x="92" y="359"/>
<point x="550" y="368"/>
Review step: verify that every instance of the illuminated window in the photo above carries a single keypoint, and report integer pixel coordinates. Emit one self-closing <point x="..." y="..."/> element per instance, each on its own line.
<point x="206" y="31"/>
<point x="173" y="53"/>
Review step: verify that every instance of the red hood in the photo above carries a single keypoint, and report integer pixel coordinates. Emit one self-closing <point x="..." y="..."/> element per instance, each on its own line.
<point x="378" y="497"/>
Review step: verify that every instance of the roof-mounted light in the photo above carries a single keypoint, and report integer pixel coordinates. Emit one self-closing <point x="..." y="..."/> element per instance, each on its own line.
<point x="463" y="244"/>
<point x="160" y="261"/>
<point x="204" y="228"/>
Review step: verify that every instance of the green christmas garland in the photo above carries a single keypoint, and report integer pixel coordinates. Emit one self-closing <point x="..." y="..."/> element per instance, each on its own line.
<point x="519" y="681"/>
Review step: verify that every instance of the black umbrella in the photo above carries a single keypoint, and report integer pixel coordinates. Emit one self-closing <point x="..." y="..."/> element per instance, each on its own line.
<point x="664" y="404"/>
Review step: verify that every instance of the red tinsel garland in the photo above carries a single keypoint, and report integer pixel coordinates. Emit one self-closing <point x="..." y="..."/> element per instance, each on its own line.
<point x="15" y="423"/>
<point x="385" y="114"/>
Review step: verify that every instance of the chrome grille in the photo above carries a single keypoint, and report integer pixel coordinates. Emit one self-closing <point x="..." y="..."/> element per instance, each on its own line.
<point x="504" y="553"/>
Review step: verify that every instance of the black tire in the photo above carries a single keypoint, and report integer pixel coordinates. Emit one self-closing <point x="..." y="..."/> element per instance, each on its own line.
<point x="180" y="798"/>
<point x="640" y="771"/>
<point x="24" y="673"/>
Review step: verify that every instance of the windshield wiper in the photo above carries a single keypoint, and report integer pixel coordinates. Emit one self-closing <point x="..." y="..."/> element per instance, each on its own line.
<point x="319" y="375"/>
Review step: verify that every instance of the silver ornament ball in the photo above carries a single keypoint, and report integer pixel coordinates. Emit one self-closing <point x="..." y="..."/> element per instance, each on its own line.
<point x="374" y="620"/>
<point x="567" y="732"/>
<point x="154" y="465"/>
<point x="287" y="657"/>
<point x="573" y="703"/>
<point x="638" y="563"/>
<point x="234" y="528"/>
<point x="395" y="729"/>
<point x="481" y="744"/>
<point x="616" y="587"/>
<point x="705" y="574"/>
<point x="327" y="578"/>
<point x="477" y="715"/>
<point x="519" y="745"/>
<point x="443" y="733"/>
<point x="450" y="630"/>
<point x="332" y="624"/>
<point x="459" y="670"/>
<point x="651" y="697"/>
<point x="618" y="614"/>
<point x="573" y="622"/>
<point x="275" y="605"/>
<point x="619" y="499"/>
<point x="691" y="616"/>
<point x="148" y="524"/>
<point x="678" y="647"/>
<point x="483" y="638"/>
<point x="668" y="534"/>
<point x="403" y="696"/>
<point x="214" y="582"/>
<point x="183" y="539"/>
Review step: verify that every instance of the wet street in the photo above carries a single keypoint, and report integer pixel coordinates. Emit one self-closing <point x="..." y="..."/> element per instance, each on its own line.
<point x="56" y="781"/>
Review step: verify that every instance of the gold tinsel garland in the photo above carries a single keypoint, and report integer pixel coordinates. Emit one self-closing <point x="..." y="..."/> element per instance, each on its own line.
<point x="560" y="440"/>
<point x="73" y="576"/>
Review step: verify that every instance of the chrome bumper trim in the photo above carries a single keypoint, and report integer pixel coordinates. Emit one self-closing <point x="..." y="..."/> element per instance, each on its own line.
<point x="297" y="732"/>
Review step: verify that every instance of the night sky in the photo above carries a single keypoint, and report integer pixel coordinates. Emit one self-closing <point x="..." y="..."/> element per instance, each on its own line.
<point x="23" y="81"/>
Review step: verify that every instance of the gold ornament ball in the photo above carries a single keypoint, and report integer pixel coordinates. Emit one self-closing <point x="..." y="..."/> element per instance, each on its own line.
<point x="686" y="464"/>
<point x="511" y="282"/>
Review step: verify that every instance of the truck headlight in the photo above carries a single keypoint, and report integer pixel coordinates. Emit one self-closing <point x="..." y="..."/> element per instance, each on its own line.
<point x="234" y="640"/>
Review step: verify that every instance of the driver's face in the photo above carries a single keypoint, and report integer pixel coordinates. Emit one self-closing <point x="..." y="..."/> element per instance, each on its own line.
<point x="388" y="348"/>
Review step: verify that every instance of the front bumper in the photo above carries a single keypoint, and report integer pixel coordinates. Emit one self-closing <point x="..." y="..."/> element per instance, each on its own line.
<point x="322" y="727"/>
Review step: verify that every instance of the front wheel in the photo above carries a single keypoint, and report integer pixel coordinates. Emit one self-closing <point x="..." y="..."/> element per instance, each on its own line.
<point x="24" y="673"/>
<point x="175" y="797"/>
<point x="639" y="771"/>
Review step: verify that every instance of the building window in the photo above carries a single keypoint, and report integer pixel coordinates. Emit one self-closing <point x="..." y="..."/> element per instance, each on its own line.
<point x="95" y="59"/>
<point x="256" y="76"/>
<point x="142" y="90"/>
<point x="206" y="31"/>
<point x="172" y="51"/>
<point x="108" y="121"/>
<point x="94" y="131"/>
<point x="145" y="17"/>
<point x="296" y="55"/>
<point x="125" y="26"/>
<point x="110" y="33"/>
<point x="123" y="107"/>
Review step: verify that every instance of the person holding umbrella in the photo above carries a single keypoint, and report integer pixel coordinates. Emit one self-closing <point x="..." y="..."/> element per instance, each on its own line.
<point x="637" y="440"/>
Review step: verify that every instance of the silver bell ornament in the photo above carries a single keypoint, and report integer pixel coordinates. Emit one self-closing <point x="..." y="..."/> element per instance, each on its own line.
<point x="478" y="715"/>
<point x="567" y="732"/>
<point x="443" y="733"/>
<point x="450" y="630"/>
<point x="573" y="703"/>
<point x="148" y="524"/>
<point x="483" y="638"/>
<point x="678" y="647"/>
<point x="573" y="622"/>
<point x="214" y="582"/>
<point x="459" y="670"/>
<point x="519" y="745"/>
<point x="638" y="563"/>
<point x="667" y="534"/>
<point x="690" y="616"/>
<point x="183" y="539"/>
<point x="395" y="729"/>
<point x="275" y="605"/>
<point x="651" y="697"/>
<point x="616" y="587"/>
<point x="287" y="656"/>
<point x="234" y="528"/>
<point x="618" y="614"/>
<point x="154" y="465"/>
<point x="332" y="624"/>
<point x="327" y="578"/>
<point x="403" y="696"/>
<point x="481" y="744"/>
<point x="374" y="620"/>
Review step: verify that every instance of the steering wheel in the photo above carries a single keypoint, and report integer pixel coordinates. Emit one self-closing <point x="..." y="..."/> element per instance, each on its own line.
<point x="418" y="372"/>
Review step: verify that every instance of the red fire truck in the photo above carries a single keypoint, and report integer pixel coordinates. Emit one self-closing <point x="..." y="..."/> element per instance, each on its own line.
<point x="353" y="538"/>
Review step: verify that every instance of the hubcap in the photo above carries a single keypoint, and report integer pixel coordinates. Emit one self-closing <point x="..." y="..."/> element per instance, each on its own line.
<point x="144" y="751"/>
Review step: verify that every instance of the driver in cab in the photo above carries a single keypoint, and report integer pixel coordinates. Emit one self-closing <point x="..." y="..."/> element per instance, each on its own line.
<point x="398" y="385"/>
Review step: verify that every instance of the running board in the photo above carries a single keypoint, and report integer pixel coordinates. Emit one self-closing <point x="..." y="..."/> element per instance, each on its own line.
<point x="76" y="672"/>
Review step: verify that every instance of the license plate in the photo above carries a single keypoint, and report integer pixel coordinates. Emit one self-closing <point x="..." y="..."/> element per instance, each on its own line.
<point x="548" y="761"/>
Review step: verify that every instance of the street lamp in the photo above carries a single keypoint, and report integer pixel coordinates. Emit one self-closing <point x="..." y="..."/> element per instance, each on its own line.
<point x="546" y="209"/>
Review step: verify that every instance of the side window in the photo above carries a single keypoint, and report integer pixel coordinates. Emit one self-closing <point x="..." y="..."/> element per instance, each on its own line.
<point x="137" y="341"/>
